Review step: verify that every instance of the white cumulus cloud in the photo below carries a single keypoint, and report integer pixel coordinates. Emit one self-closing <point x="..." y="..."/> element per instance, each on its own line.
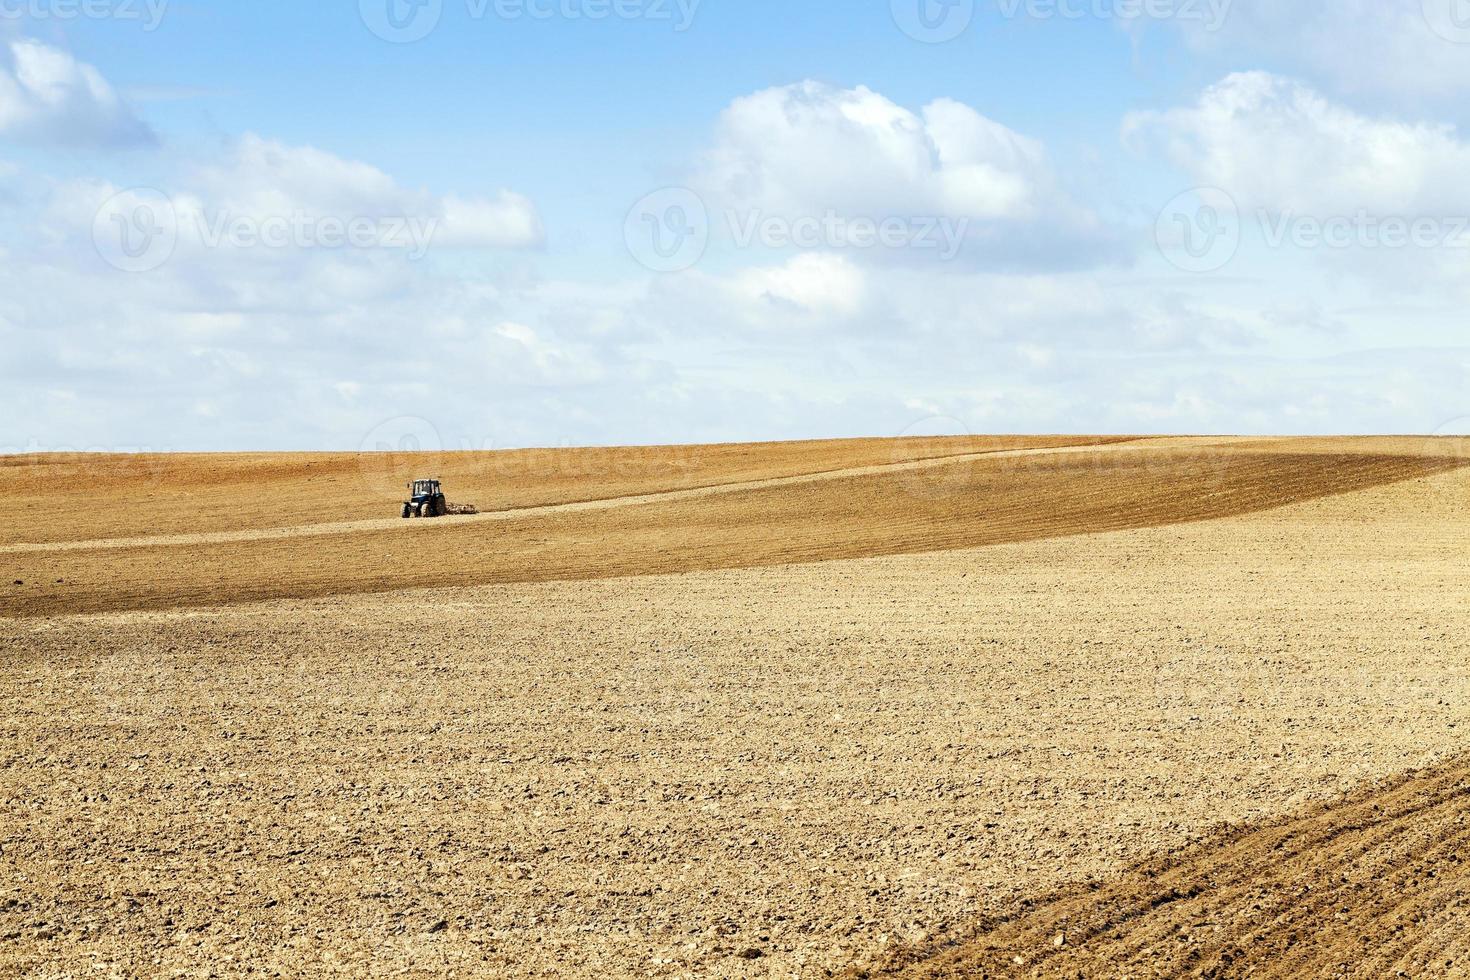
<point x="1275" y="143"/>
<point x="47" y="96"/>
<point x="825" y="285"/>
<point x="1402" y="47"/>
<point x="263" y="178"/>
<point x="810" y="145"/>
<point x="811" y="149"/>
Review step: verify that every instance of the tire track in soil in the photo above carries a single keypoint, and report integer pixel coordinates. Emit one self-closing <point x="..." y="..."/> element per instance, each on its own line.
<point x="1374" y="885"/>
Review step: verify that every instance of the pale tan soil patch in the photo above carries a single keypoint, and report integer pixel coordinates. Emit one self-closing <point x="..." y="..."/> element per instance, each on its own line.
<point x="655" y="775"/>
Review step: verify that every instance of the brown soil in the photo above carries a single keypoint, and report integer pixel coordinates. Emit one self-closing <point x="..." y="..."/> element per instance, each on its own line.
<point x="1371" y="886"/>
<point x="899" y="509"/>
<point x="794" y="769"/>
<point x="103" y="496"/>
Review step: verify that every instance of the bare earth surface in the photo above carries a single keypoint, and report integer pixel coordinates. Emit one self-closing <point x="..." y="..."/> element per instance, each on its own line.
<point x="804" y="749"/>
<point x="1368" y="886"/>
<point x="899" y="508"/>
<point x="117" y="496"/>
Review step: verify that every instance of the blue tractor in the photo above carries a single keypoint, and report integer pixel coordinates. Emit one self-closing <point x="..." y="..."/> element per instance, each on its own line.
<point x="426" y="500"/>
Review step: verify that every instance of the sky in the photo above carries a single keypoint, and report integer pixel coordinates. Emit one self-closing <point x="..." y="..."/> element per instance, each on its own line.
<point x="485" y="224"/>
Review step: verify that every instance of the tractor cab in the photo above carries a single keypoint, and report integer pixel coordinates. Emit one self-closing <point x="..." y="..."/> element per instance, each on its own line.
<point x="426" y="499"/>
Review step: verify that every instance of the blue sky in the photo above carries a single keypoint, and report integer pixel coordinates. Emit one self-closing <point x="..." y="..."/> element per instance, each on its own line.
<point x="1032" y="166"/>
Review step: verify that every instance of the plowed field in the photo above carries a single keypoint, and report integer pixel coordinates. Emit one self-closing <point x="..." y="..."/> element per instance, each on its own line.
<point x="1370" y="886"/>
<point x="900" y="508"/>
<point x="1155" y="707"/>
<point x="106" y="496"/>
